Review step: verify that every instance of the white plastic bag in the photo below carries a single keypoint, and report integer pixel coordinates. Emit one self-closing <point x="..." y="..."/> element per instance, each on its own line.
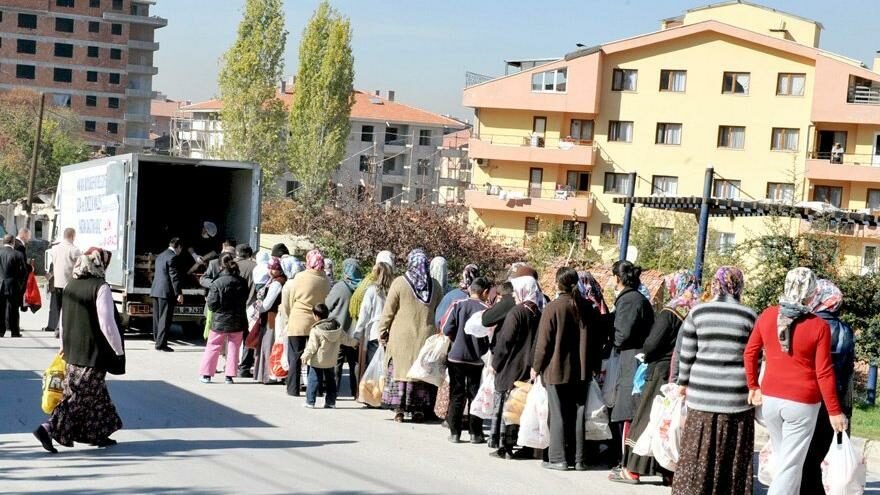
<point x="596" y="420"/>
<point x="766" y="470"/>
<point x="666" y="441"/>
<point x="643" y="443"/>
<point x="534" y="430"/>
<point x="484" y="403"/>
<point x="611" y="371"/>
<point x="474" y="326"/>
<point x="372" y="384"/>
<point x="430" y="365"/>
<point x="844" y="470"/>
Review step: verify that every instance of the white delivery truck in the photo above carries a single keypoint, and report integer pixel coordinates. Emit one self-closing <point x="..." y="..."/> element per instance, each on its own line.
<point x="133" y="204"/>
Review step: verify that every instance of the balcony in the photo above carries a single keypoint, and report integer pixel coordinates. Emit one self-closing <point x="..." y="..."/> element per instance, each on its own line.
<point x="532" y="150"/>
<point x="532" y="201"/>
<point x="143" y="45"/>
<point x="848" y="167"/>
<point x="142" y="69"/>
<point x="155" y="21"/>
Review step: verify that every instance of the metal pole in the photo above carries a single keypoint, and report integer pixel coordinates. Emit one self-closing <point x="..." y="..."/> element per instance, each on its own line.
<point x="627" y="217"/>
<point x="703" y="232"/>
<point x="872" y="385"/>
<point x="32" y="178"/>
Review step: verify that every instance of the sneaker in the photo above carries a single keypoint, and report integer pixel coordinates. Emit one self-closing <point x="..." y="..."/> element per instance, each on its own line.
<point x="229" y="380"/>
<point x="329" y="406"/>
<point x="308" y="406"/>
<point x="205" y="379"/>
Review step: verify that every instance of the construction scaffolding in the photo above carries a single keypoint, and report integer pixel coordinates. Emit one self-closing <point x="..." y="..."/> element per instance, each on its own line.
<point x="196" y="135"/>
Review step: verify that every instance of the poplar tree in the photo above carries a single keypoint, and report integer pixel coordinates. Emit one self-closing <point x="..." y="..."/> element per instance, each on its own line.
<point x="253" y="118"/>
<point x="319" y="119"/>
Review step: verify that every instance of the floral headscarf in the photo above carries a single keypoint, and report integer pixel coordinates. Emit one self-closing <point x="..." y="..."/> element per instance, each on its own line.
<point x="261" y="271"/>
<point x="418" y="276"/>
<point x="351" y="273"/>
<point x="592" y="291"/>
<point x="683" y="292"/>
<point x="315" y="260"/>
<point x="470" y="273"/>
<point x="728" y="282"/>
<point x="795" y="302"/>
<point x="92" y="263"/>
<point x="290" y="266"/>
<point x="440" y="272"/>
<point x="525" y="289"/>
<point x="828" y="298"/>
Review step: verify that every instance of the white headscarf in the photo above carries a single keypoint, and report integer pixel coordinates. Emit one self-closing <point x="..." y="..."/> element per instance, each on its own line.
<point x="261" y="271"/>
<point x="525" y="289"/>
<point x="439" y="272"/>
<point x="291" y="266"/>
<point x="385" y="257"/>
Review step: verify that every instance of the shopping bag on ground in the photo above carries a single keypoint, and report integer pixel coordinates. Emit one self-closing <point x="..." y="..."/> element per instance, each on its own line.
<point x="610" y="371"/>
<point x="515" y="403"/>
<point x="430" y="365"/>
<point x="844" y="470"/>
<point x="32" y="298"/>
<point x="372" y="384"/>
<point x="484" y="403"/>
<point x="277" y="361"/>
<point x="534" y="430"/>
<point x="766" y="470"/>
<point x="596" y="415"/>
<point x="666" y="441"/>
<point x="53" y="379"/>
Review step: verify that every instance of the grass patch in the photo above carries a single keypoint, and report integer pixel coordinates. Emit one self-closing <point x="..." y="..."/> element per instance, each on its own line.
<point x="866" y="421"/>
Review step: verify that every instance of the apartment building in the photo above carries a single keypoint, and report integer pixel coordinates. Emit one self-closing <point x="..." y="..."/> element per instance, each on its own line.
<point x="735" y="85"/>
<point x="393" y="152"/>
<point x="94" y="57"/>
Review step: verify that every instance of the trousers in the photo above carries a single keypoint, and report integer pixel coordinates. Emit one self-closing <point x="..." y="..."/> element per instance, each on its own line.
<point x="163" y="314"/>
<point x="347" y="355"/>
<point x="464" y="382"/>
<point x="216" y="343"/>
<point x="55" y="309"/>
<point x="294" y="360"/>
<point x="10" y="305"/>
<point x="790" y="425"/>
<point x="566" y="404"/>
<point x="321" y="378"/>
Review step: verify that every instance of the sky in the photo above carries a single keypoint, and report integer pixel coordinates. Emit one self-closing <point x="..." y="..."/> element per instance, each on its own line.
<point x="422" y="49"/>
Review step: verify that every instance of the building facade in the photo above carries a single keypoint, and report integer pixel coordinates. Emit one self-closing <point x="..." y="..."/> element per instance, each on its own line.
<point x="94" y="57"/>
<point x="734" y="85"/>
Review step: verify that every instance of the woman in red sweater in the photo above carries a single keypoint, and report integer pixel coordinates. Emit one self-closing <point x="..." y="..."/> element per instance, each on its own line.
<point x="798" y="376"/>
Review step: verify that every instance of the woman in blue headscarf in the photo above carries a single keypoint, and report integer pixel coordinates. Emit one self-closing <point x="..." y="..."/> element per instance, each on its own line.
<point x="337" y="301"/>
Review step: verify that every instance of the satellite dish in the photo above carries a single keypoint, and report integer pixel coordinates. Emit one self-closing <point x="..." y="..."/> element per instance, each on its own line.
<point x="632" y="254"/>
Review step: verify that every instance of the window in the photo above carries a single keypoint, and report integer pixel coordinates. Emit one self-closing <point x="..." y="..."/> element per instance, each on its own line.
<point x="112" y="102"/>
<point x="64" y="3"/>
<point x="112" y="127"/>
<point x="95" y="4"/>
<point x="420" y="194"/>
<point x="94" y="27"/>
<point x="113" y="78"/>
<point x="573" y="227"/>
<point x="582" y="130"/>
<point x="624" y="80"/>
<point x="90" y="126"/>
<point x="780" y="191"/>
<point x="117" y="4"/>
<point x="116" y="54"/>
<point x="63" y="25"/>
<point x="389" y="165"/>
<point x="736" y="83"/>
<point x="27" y="21"/>
<point x="673" y="80"/>
<point x="873" y="199"/>
<point x="577" y="181"/>
<point x="64" y="50"/>
<point x="290" y="188"/>
<point x="726" y="242"/>
<point x="790" y="84"/>
<point x="387" y="193"/>
<point x="552" y="81"/>
<point x="91" y="101"/>
<point x="727" y="189"/>
<point x="828" y="194"/>
<point x="617" y="183"/>
<point x="664" y="184"/>
<point x="25" y="72"/>
<point x="91" y="76"/>
<point x="116" y="29"/>
<point x="610" y="231"/>
<point x="532" y="226"/>
<point x="870" y="259"/>
<point x="731" y="137"/>
<point x="364" y="165"/>
<point x="391" y="135"/>
<point x="61" y="100"/>
<point x="425" y="137"/>
<point x="26" y="46"/>
<point x="63" y="75"/>
<point x="784" y="139"/>
<point x="620" y="131"/>
<point x="367" y="133"/>
<point x="93" y="51"/>
<point x="423" y="166"/>
<point x="668" y="133"/>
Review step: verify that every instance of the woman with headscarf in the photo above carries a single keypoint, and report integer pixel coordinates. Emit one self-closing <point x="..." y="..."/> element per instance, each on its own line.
<point x="470" y="273"/>
<point x="440" y="272"/>
<point x="366" y="328"/>
<point x="269" y="299"/>
<point x="717" y="443"/>
<point x="337" y="302"/>
<point x="92" y="346"/>
<point x="592" y="291"/>
<point x="407" y="322"/>
<point x="798" y="377"/>
<point x="329" y="268"/>
<point x="261" y="271"/>
<point x="826" y="305"/>
<point x="681" y="287"/>
<point x="512" y="362"/>
<point x="299" y="296"/>
<point x="354" y="308"/>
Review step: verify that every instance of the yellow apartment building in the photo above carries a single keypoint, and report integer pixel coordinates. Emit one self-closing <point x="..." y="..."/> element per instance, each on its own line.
<point x="738" y="86"/>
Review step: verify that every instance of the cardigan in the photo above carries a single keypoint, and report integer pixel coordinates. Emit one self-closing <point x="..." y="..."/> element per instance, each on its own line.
<point x="409" y="323"/>
<point x="369" y="315"/>
<point x="299" y="295"/>
<point x="562" y="350"/>
<point x="515" y="346"/>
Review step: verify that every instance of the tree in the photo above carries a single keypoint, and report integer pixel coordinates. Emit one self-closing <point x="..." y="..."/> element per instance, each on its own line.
<point x="253" y="118"/>
<point x="319" y="120"/>
<point x="61" y="143"/>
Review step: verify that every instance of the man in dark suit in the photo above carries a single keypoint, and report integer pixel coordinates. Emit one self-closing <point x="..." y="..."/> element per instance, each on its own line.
<point x="13" y="276"/>
<point x="166" y="291"/>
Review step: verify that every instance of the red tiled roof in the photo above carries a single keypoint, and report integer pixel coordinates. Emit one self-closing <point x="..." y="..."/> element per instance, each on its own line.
<point x="164" y="108"/>
<point x="204" y="105"/>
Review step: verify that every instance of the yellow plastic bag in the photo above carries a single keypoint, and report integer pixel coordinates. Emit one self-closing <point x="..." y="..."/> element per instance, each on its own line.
<point x="53" y="378"/>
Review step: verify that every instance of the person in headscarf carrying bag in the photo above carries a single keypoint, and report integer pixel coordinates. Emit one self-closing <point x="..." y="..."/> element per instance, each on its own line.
<point x="826" y="305"/>
<point x="798" y="377"/>
<point x="717" y="443"/>
<point x="512" y="361"/>
<point x="269" y="299"/>
<point x="92" y="346"/>
<point x="366" y="330"/>
<point x="407" y="322"/>
<point x="357" y="298"/>
<point x="681" y="288"/>
<point x="338" y="301"/>
<point x="470" y="273"/>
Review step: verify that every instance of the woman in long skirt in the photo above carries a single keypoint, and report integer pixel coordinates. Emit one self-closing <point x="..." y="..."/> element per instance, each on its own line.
<point x="270" y="300"/>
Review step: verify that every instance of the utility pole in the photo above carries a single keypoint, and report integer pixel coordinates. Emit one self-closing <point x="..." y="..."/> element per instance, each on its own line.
<point x="29" y="203"/>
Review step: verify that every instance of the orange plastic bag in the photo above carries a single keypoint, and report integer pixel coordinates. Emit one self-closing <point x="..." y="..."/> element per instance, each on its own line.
<point x="276" y="358"/>
<point x="32" y="298"/>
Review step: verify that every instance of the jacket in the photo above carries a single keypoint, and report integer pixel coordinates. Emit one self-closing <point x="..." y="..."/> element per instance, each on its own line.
<point x="322" y="349"/>
<point x="337" y="301"/>
<point x="64" y="256"/>
<point x="843" y="357"/>
<point x="633" y="318"/>
<point x="166" y="282"/>
<point x="465" y="349"/>
<point x="227" y="298"/>
<point x="563" y="353"/>
<point x="409" y="323"/>
<point x="370" y="314"/>
<point x="13" y="272"/>
<point x="515" y="346"/>
<point x="246" y="269"/>
<point x="300" y="294"/>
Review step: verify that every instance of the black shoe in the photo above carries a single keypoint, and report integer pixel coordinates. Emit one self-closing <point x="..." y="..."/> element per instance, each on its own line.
<point x="104" y="443"/>
<point x="478" y="439"/>
<point x="455" y="438"/>
<point x="45" y="440"/>
<point x="501" y="454"/>
<point x="555" y="466"/>
<point x="245" y="374"/>
<point x="16" y="335"/>
<point x="47" y="329"/>
<point x="494" y="444"/>
<point x="164" y="349"/>
<point x="523" y="454"/>
<point x="229" y="380"/>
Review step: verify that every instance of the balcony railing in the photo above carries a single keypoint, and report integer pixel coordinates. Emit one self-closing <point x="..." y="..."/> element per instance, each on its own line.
<point x="472" y="79"/>
<point x="863" y="159"/>
<point x="533" y="141"/>
<point x="535" y="200"/>
<point x="869" y="95"/>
